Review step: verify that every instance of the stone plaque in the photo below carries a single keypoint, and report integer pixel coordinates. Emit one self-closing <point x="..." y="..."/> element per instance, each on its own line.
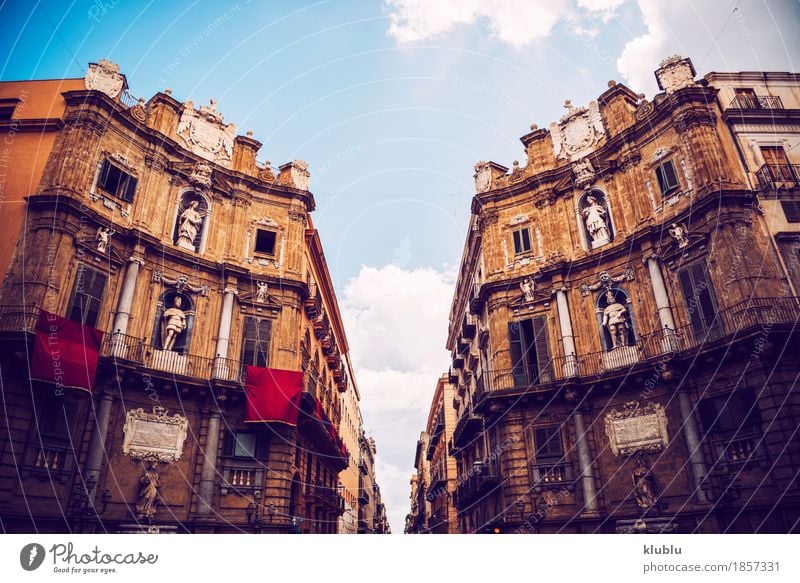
<point x="637" y="429"/>
<point x="154" y="436"/>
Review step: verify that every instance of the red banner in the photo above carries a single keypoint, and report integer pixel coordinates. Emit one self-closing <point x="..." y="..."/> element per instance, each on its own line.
<point x="65" y="352"/>
<point x="273" y="395"/>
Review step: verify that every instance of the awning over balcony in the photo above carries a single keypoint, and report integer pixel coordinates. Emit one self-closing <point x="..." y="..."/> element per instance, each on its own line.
<point x="65" y="352"/>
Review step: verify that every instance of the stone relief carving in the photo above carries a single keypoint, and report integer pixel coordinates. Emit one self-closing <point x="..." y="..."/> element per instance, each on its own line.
<point x="104" y="76"/>
<point x="518" y="220"/>
<point x="606" y="281"/>
<point x="148" y="491"/>
<point x="636" y="429"/>
<point x="483" y="177"/>
<point x="154" y="436"/>
<point x="261" y="293"/>
<point x="181" y="283"/>
<point x="615" y="319"/>
<point x="577" y="132"/>
<point x="680" y="233"/>
<point x="674" y="73"/>
<point x="265" y="173"/>
<point x="190" y="222"/>
<point x="528" y="287"/>
<point x="203" y="132"/>
<point x="644" y="485"/>
<point x="173" y="323"/>
<point x="299" y="175"/>
<point x="201" y="174"/>
<point x="517" y="173"/>
<point x="595" y="215"/>
<point x="583" y="172"/>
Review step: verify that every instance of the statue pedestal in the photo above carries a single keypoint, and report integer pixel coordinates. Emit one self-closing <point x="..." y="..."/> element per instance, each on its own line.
<point x="600" y="242"/>
<point x="169" y="361"/>
<point x="621" y="356"/>
<point x="186" y="244"/>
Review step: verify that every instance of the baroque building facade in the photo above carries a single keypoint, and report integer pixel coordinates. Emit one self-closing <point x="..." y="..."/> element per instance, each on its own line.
<point x="623" y="328"/>
<point x="154" y="230"/>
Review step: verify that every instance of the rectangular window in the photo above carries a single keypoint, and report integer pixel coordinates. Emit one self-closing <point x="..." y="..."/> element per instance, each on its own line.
<point x="745" y="98"/>
<point x="116" y="182"/>
<point x="87" y="296"/>
<point x="667" y="177"/>
<point x="791" y="209"/>
<point x="733" y="422"/>
<point x="700" y="302"/>
<point x="548" y="444"/>
<point x="530" y="355"/>
<point x="522" y="241"/>
<point x="245" y="445"/>
<point x="265" y="241"/>
<point x="255" y="342"/>
<point x="50" y="444"/>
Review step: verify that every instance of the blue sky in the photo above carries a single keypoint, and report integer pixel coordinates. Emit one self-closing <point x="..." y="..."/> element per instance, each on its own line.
<point x="391" y="103"/>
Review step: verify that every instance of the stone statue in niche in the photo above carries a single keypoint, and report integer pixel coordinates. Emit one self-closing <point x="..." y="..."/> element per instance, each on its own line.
<point x="680" y="234"/>
<point x="595" y="216"/>
<point x="173" y="324"/>
<point x="148" y="492"/>
<point x="103" y="238"/>
<point x="527" y="287"/>
<point x="189" y="223"/>
<point x="615" y="320"/>
<point x="261" y="293"/>
<point x="644" y="489"/>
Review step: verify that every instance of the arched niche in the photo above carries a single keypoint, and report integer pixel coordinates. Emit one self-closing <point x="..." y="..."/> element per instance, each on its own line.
<point x="615" y="319"/>
<point x="192" y="219"/>
<point x="175" y="310"/>
<point x="595" y="220"/>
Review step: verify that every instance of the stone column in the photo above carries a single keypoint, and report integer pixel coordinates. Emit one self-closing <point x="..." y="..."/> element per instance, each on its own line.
<point x="690" y="433"/>
<point x="97" y="445"/>
<point x="126" y="296"/>
<point x="209" y="464"/>
<point x="662" y="303"/>
<point x="225" y="319"/>
<point x="567" y="336"/>
<point x="585" y="462"/>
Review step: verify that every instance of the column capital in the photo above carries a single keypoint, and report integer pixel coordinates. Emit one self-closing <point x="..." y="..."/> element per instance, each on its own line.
<point x="230" y="290"/>
<point x="136" y="258"/>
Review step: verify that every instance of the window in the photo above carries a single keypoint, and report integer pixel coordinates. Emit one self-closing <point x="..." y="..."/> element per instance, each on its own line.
<point x="745" y="98"/>
<point x="87" y="295"/>
<point x="530" y="356"/>
<point x="734" y="424"/>
<point x="548" y="444"/>
<point x="791" y="209"/>
<point x="50" y="451"/>
<point x="699" y="297"/>
<point x="7" y="107"/>
<point x="265" y="241"/>
<point x="245" y="445"/>
<point x="667" y="177"/>
<point x="116" y="182"/>
<point x="522" y="241"/>
<point x="255" y="342"/>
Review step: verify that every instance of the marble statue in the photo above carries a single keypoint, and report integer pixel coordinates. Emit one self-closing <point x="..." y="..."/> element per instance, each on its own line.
<point x="615" y="319"/>
<point x="261" y="293"/>
<point x="103" y="237"/>
<point x="527" y="287"/>
<point x="643" y="485"/>
<point x="679" y="233"/>
<point x="189" y="224"/>
<point x="148" y="492"/>
<point x="173" y="325"/>
<point x="595" y="216"/>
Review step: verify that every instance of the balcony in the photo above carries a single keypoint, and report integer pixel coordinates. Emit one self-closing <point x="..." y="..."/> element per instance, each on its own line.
<point x="474" y="487"/>
<point x="452" y="376"/>
<point x="469" y="326"/>
<point x="555" y="475"/>
<point x="736" y="322"/>
<point x="468" y="423"/>
<point x="476" y="301"/>
<point x="756" y="102"/>
<point x="327" y="496"/>
<point x="362" y="467"/>
<point x="773" y="177"/>
<point x="313" y="304"/>
<point x="322" y="327"/>
<point x="363" y="495"/>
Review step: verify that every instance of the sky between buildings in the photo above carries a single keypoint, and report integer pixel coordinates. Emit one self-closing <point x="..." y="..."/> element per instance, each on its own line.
<point x="392" y="103"/>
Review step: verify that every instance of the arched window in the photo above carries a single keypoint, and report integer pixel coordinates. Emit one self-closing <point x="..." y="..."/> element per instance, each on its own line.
<point x="191" y="221"/>
<point x="174" y="321"/>
<point x="594" y="218"/>
<point x="615" y="319"/>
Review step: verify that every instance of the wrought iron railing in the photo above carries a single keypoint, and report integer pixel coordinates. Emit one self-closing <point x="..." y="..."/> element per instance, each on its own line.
<point x="774" y="176"/>
<point x="756" y="102"/>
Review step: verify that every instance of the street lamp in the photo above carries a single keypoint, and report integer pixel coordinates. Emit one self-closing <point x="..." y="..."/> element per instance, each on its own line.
<point x="254" y="511"/>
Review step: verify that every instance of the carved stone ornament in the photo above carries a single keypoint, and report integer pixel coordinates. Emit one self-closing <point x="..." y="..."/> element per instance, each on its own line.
<point x="203" y="132"/>
<point x="104" y="76"/>
<point x="578" y="131"/>
<point x="154" y="436"/>
<point x="584" y="173"/>
<point x="201" y="174"/>
<point x="518" y="220"/>
<point x="181" y="283"/>
<point x="606" y="281"/>
<point x="528" y="287"/>
<point x="680" y="234"/>
<point x="265" y="173"/>
<point x="262" y="292"/>
<point x="517" y="173"/>
<point x="299" y="175"/>
<point x="483" y="177"/>
<point x="675" y="72"/>
<point x="637" y="429"/>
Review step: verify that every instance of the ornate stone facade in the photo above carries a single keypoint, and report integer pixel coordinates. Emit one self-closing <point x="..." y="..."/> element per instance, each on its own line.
<point x="605" y="317"/>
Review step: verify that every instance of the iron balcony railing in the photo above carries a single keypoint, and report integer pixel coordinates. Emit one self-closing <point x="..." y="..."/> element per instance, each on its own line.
<point x="748" y="315"/>
<point x="552" y="475"/>
<point x="778" y="176"/>
<point x="756" y="102"/>
<point x="476" y="486"/>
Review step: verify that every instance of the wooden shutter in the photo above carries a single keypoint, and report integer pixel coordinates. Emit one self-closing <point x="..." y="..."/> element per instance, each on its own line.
<point x="519" y="370"/>
<point x="129" y="189"/>
<point x="526" y="240"/>
<point x="102" y="180"/>
<point x="791" y="209"/>
<point x="255" y="341"/>
<point x="699" y="298"/>
<point x="548" y="443"/>
<point x="543" y="363"/>
<point x="517" y="242"/>
<point x="87" y="296"/>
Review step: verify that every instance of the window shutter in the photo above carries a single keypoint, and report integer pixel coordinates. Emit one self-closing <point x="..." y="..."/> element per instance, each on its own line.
<point x="102" y="180"/>
<point x="517" y="243"/>
<point x="791" y="209"/>
<point x="130" y="189"/>
<point x="526" y="240"/>
<point x="542" y="351"/>
<point x="262" y="342"/>
<point x="228" y="443"/>
<point x="548" y="443"/>
<point x="87" y="296"/>
<point x="670" y="175"/>
<point x="662" y="182"/>
<point x="699" y="298"/>
<point x="517" y="360"/>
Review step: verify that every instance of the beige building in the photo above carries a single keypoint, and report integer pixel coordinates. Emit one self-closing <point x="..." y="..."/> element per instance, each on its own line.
<point x="351" y="427"/>
<point x="622" y="335"/>
<point x="152" y="223"/>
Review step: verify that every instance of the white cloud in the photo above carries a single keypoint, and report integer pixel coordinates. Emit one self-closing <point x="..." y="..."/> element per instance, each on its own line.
<point x="516" y="22"/>
<point x="641" y="55"/>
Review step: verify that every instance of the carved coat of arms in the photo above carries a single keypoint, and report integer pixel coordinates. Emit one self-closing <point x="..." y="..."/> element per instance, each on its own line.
<point x="104" y="76"/>
<point x="577" y="132"/>
<point x="204" y="133"/>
